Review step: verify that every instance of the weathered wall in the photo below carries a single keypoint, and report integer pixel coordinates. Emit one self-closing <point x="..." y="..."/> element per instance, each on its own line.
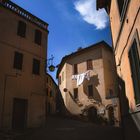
<point x="99" y="78"/>
<point x="129" y="31"/>
<point x="21" y="84"/>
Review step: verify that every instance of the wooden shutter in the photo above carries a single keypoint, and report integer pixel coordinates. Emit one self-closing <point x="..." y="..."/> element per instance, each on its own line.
<point x="75" y="70"/>
<point x="89" y="65"/>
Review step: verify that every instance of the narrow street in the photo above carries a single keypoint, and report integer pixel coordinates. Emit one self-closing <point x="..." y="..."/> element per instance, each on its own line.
<point x="67" y="129"/>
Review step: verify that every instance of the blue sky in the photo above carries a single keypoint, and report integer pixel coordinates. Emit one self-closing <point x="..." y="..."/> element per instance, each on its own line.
<point x="72" y="24"/>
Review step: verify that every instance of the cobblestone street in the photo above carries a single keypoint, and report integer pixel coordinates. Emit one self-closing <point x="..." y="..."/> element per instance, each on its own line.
<point x="66" y="129"/>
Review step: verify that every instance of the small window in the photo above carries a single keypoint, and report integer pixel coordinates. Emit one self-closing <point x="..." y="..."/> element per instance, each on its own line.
<point x="21" y="29"/>
<point x="51" y="93"/>
<point x="18" y="60"/>
<point x="110" y="94"/>
<point x="47" y="80"/>
<point x="122" y="5"/>
<point x="134" y="58"/>
<point x="90" y="91"/>
<point x="62" y="76"/>
<point x="36" y="67"/>
<point x="59" y="80"/>
<point x="38" y="37"/>
<point x="47" y="91"/>
<point x="75" y="93"/>
<point x="75" y="70"/>
<point x="89" y="65"/>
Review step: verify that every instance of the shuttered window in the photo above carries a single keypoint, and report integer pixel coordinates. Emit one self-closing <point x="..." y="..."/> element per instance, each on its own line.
<point x="18" y="60"/>
<point x="75" y="93"/>
<point x="36" y="67"/>
<point x="120" y="5"/>
<point x="89" y="65"/>
<point x="59" y="80"/>
<point x="90" y="91"/>
<point x="134" y="58"/>
<point x="21" y="29"/>
<point x="75" y="69"/>
<point x="38" y="37"/>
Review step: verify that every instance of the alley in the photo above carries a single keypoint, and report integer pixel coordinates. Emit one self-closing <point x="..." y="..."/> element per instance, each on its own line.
<point x="67" y="129"/>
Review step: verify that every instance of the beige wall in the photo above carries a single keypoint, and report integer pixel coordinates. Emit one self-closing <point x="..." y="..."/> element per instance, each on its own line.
<point x="21" y="84"/>
<point x="130" y="30"/>
<point x="51" y="99"/>
<point x="99" y="78"/>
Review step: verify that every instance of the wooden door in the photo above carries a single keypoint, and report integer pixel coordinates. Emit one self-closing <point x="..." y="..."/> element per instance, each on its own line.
<point x="19" y="120"/>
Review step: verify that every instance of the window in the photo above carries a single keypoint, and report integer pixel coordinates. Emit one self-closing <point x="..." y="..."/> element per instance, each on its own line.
<point x="75" y="70"/>
<point x="122" y="5"/>
<point x="36" y="66"/>
<point x="51" y="93"/>
<point x="134" y="58"/>
<point x="89" y="65"/>
<point x="90" y="91"/>
<point x="59" y="80"/>
<point x="47" y="80"/>
<point x="110" y="94"/>
<point x="75" y="93"/>
<point x="62" y="76"/>
<point x="18" y="60"/>
<point x="21" y="29"/>
<point x="47" y="91"/>
<point x="38" y="37"/>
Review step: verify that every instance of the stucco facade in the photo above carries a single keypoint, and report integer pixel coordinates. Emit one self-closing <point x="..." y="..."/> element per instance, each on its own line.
<point x="125" y="21"/>
<point x="22" y="88"/>
<point x="102" y="79"/>
<point x="51" y="95"/>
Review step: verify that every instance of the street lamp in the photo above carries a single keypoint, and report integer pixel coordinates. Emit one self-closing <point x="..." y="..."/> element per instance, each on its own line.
<point x="50" y="64"/>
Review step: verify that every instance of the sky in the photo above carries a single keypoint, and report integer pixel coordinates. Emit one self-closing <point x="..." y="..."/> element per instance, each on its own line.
<point x="72" y="24"/>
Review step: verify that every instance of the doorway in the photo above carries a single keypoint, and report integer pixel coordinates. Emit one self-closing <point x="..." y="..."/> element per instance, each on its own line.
<point x="19" y="116"/>
<point x="111" y="115"/>
<point x="92" y="114"/>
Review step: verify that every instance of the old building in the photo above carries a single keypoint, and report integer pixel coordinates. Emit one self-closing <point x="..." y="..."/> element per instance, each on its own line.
<point x="87" y="81"/>
<point x="23" y="47"/>
<point x="125" y="26"/>
<point x="51" y="95"/>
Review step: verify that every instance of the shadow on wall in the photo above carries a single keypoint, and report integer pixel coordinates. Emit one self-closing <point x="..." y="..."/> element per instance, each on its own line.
<point x="60" y="105"/>
<point x="94" y="81"/>
<point x="129" y="129"/>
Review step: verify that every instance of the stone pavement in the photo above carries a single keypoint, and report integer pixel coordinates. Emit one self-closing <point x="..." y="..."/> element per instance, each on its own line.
<point x="68" y="129"/>
<point x="58" y="128"/>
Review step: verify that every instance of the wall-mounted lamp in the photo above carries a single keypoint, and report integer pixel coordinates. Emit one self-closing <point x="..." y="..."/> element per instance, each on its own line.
<point x="50" y="64"/>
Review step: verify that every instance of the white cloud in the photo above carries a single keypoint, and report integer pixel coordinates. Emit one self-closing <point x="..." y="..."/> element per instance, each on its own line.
<point x="87" y="9"/>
